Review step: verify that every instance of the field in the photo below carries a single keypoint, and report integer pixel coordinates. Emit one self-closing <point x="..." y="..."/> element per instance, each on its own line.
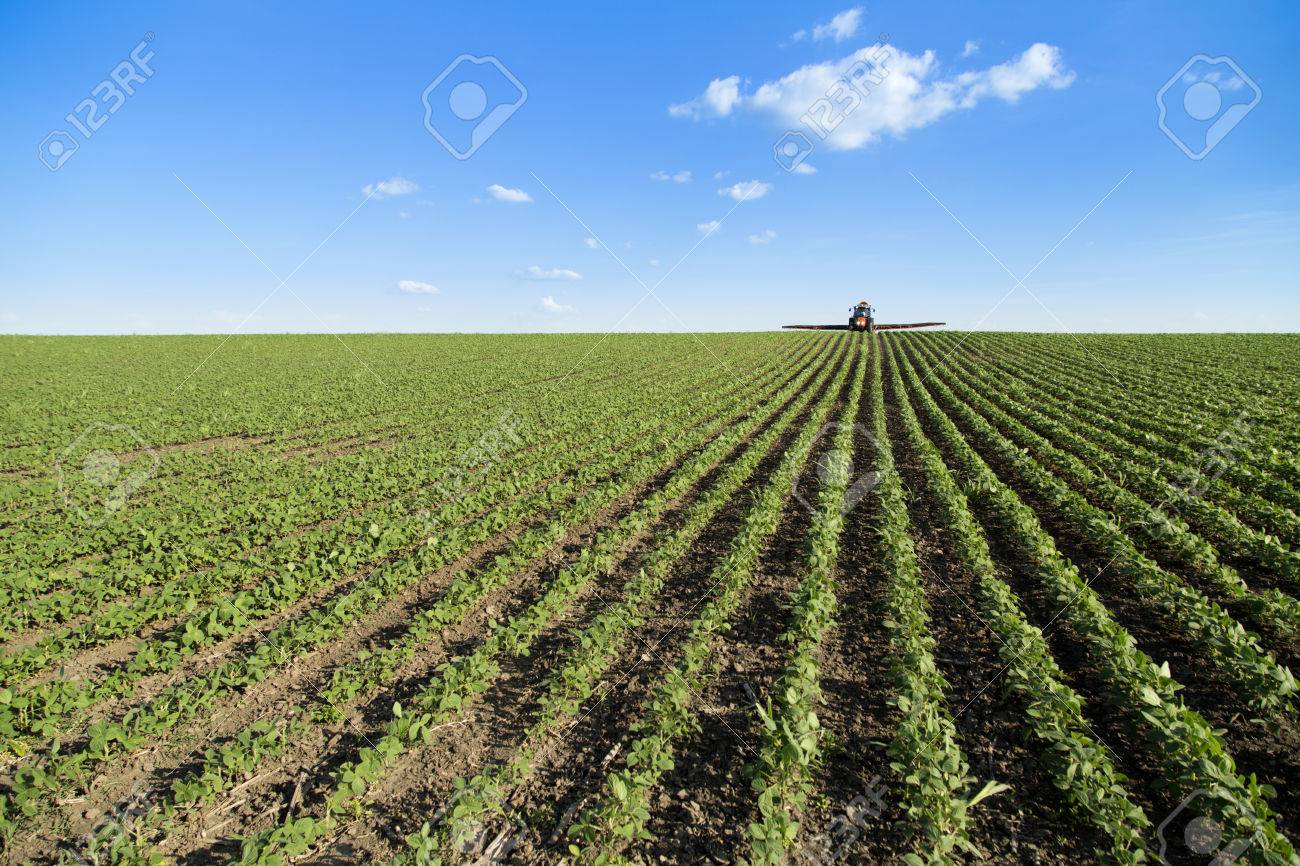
<point x="809" y="598"/>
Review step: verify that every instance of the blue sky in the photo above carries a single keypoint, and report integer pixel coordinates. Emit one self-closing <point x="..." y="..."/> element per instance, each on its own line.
<point x="1004" y="140"/>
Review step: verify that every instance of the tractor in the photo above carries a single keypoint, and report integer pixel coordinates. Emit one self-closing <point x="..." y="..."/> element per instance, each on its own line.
<point x="862" y="318"/>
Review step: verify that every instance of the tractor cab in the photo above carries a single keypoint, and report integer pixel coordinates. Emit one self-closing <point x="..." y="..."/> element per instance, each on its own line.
<point x="862" y="318"/>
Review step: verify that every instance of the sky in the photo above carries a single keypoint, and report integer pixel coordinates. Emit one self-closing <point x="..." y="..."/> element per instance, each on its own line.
<point x="211" y="168"/>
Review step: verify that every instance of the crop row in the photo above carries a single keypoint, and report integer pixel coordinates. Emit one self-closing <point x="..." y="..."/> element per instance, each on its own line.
<point x="1264" y="683"/>
<point x="1239" y="516"/>
<point x="1169" y="540"/>
<point x="169" y="543"/>
<point x="1080" y="766"/>
<point x="1191" y="752"/>
<point x="180" y="702"/>
<point x="253" y="493"/>
<point x="661" y="559"/>
<point x="925" y="750"/>
<point x="305" y="564"/>
<point x="621" y="814"/>
<point x="1163" y="422"/>
<point x="594" y="651"/>
<point x="460" y="680"/>
<point x="792" y="734"/>
<point x="40" y="709"/>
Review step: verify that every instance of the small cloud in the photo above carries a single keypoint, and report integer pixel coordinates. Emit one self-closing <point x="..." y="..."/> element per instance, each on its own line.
<point x="971" y="47"/>
<point x="550" y="305"/>
<point x="748" y="190"/>
<point x="535" y="272"/>
<point x="415" y="287"/>
<point x="683" y="176"/>
<point x="708" y="228"/>
<point x="627" y="245"/>
<point x="591" y="243"/>
<point x="842" y="26"/>
<point x="804" y="168"/>
<point x="505" y="193"/>
<point x="406" y="215"/>
<point x="766" y="236"/>
<point x="654" y="263"/>
<point x="719" y="175"/>
<point x="427" y="310"/>
<point x="799" y="35"/>
<point x="389" y="188"/>
<point x="718" y="99"/>
<point x="1216" y="78"/>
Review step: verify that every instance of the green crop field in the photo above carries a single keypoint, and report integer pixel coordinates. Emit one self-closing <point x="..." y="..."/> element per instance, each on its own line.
<point x="765" y="598"/>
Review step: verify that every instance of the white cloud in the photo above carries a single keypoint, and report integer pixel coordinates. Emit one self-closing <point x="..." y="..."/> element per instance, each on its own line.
<point x="766" y="236"/>
<point x="683" y="176"/>
<point x="406" y="215"/>
<point x="972" y="46"/>
<point x="842" y="26"/>
<point x="550" y="305"/>
<point x="708" y="228"/>
<point x="719" y="175"/>
<point x="591" y="243"/>
<point x="747" y="190"/>
<point x="804" y="168"/>
<point x="505" y="193"/>
<point x="799" y="35"/>
<point x="717" y="100"/>
<point x="535" y="272"/>
<point x="911" y="96"/>
<point x="1216" y="78"/>
<point x="1039" y="66"/>
<point x="389" y="188"/>
<point x="654" y="263"/>
<point x="415" y="287"/>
